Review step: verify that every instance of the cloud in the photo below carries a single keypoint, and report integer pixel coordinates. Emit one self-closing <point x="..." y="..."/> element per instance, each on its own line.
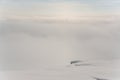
<point x="49" y="43"/>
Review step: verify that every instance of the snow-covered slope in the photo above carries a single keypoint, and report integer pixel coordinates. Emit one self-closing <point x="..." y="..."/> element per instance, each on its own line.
<point x="101" y="69"/>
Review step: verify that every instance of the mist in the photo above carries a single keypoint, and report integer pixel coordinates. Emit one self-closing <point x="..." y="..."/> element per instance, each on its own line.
<point x="34" y="44"/>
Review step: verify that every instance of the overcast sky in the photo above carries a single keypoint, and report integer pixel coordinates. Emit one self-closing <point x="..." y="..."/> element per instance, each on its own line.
<point x="57" y="31"/>
<point x="59" y="9"/>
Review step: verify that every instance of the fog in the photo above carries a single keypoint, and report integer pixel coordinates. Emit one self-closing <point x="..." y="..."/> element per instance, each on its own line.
<point x="32" y="43"/>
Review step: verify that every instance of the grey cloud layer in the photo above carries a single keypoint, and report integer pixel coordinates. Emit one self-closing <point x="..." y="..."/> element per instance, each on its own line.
<point x="52" y="43"/>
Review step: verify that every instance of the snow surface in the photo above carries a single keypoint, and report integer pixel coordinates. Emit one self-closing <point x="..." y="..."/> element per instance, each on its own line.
<point x="102" y="69"/>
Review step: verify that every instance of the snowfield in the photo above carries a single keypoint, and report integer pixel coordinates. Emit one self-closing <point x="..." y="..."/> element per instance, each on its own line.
<point x="101" y="69"/>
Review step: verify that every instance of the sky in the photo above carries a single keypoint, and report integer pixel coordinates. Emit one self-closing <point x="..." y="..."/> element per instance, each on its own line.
<point x="59" y="9"/>
<point x="58" y="31"/>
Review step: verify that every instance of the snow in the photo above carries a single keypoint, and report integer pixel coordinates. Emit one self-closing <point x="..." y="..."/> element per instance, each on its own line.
<point x="101" y="69"/>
